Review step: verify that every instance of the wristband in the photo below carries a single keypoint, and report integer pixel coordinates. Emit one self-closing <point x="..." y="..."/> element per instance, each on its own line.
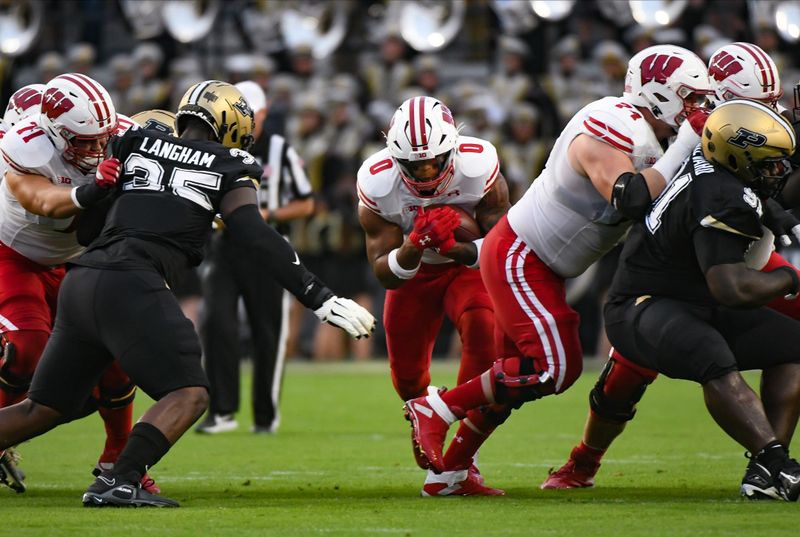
<point x="397" y="270"/>
<point x="795" y="281"/>
<point x="478" y="244"/>
<point x="73" y="194"/>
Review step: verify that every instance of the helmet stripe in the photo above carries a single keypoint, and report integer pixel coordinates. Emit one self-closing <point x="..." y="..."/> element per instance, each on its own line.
<point x="767" y="63"/>
<point x="198" y="91"/>
<point x="765" y="83"/>
<point x="83" y="88"/>
<point x="423" y="133"/>
<point x="91" y="83"/>
<point x="411" y="123"/>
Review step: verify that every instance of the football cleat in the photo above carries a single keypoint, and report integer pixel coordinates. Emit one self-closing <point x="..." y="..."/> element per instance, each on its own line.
<point x="575" y="474"/>
<point x="457" y="483"/>
<point x="147" y="482"/>
<point x="217" y="423"/>
<point x="112" y="490"/>
<point x="758" y="483"/>
<point x="10" y="474"/>
<point x="430" y="419"/>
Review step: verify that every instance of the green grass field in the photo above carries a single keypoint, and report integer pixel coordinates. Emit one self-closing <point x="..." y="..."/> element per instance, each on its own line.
<point x="342" y="465"/>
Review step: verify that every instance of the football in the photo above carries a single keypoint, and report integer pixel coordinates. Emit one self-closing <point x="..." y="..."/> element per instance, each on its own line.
<point x="468" y="230"/>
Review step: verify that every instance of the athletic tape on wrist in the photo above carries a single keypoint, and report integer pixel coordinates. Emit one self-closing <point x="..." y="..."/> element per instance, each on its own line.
<point x="478" y="244"/>
<point x="397" y="270"/>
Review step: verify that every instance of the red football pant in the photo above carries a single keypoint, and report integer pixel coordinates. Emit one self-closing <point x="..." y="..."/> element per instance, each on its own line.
<point x="28" y="294"/>
<point x="532" y="317"/>
<point x="413" y="315"/>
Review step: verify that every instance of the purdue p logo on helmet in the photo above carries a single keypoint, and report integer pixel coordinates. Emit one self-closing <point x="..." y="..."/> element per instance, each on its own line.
<point x="753" y="142"/>
<point x="223" y="108"/>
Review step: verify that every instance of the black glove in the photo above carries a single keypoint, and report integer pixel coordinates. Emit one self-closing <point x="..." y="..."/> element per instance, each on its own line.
<point x="781" y="222"/>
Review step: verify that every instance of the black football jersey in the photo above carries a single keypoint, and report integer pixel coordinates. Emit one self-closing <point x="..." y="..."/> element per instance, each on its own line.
<point x="705" y="217"/>
<point x="168" y="194"/>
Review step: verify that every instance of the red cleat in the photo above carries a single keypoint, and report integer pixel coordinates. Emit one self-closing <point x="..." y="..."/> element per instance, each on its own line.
<point x="430" y="419"/>
<point x="458" y="483"/>
<point x="575" y="474"/>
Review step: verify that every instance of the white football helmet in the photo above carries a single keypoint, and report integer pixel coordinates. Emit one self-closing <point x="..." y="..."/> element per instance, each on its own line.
<point x="79" y="117"/>
<point x="422" y="139"/>
<point x="669" y="81"/>
<point x="26" y="102"/>
<point x="744" y="71"/>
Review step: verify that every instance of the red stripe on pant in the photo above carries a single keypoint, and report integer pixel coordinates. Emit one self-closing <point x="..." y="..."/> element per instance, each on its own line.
<point x="532" y="317"/>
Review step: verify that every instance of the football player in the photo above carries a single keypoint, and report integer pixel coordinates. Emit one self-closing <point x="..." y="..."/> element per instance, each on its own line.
<point x="427" y="273"/>
<point x="736" y="70"/>
<point x="115" y="301"/>
<point x="687" y="302"/>
<point x="50" y="156"/>
<point x="602" y="174"/>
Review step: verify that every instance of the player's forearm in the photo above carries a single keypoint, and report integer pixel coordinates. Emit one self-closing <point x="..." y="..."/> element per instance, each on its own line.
<point x="736" y="286"/>
<point x="408" y="259"/>
<point x="465" y="253"/>
<point x="276" y="255"/>
<point x="37" y="195"/>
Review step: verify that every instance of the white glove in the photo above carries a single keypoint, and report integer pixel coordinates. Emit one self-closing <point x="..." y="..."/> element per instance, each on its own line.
<point x="347" y="315"/>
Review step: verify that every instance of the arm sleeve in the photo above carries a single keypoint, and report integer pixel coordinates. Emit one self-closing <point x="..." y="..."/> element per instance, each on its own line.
<point x="247" y="228"/>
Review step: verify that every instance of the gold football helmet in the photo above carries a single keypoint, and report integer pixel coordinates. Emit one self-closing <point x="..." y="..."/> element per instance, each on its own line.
<point x="753" y="142"/>
<point x="158" y="120"/>
<point x="223" y="108"/>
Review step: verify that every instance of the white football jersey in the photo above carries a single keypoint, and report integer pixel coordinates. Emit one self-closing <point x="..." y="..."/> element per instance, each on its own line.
<point x="562" y="217"/>
<point x="381" y="190"/>
<point x="47" y="241"/>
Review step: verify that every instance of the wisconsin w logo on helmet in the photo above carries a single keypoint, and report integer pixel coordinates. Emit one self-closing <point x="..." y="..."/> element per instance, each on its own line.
<point x="659" y="67"/>
<point x="746" y="137"/>
<point x="723" y="65"/>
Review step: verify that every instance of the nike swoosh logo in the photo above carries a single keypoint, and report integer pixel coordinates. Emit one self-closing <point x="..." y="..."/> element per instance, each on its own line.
<point x="109" y="482"/>
<point x="296" y="260"/>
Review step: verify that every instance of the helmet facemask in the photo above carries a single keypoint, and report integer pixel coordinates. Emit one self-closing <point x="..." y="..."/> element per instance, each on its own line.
<point x="769" y="176"/>
<point x="427" y="178"/>
<point x="86" y="152"/>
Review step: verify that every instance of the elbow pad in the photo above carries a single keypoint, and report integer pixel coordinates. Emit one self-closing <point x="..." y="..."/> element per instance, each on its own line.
<point x="630" y="195"/>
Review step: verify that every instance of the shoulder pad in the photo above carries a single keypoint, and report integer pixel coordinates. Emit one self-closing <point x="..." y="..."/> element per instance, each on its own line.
<point x="26" y="148"/>
<point x="377" y="176"/>
<point x="725" y="204"/>
<point x="613" y="121"/>
<point x="477" y="158"/>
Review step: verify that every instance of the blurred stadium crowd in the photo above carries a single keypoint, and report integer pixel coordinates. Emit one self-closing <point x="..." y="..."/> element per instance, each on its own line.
<point x="507" y="77"/>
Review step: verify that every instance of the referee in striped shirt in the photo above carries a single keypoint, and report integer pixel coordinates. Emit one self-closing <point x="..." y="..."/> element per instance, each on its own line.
<point x="285" y="194"/>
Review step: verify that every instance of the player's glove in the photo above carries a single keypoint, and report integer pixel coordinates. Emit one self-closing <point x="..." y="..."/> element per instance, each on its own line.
<point x="434" y="228"/>
<point x="104" y="181"/>
<point x="697" y="119"/>
<point x="781" y="222"/>
<point x="347" y="315"/>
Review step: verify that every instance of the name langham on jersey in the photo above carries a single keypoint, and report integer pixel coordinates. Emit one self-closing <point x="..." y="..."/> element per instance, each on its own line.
<point x="176" y="152"/>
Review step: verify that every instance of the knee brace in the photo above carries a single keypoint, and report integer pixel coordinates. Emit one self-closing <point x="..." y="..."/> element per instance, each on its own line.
<point x="516" y="381"/>
<point x="19" y="353"/>
<point x="621" y="385"/>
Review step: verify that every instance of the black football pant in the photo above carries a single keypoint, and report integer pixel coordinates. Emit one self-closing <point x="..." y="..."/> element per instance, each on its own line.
<point x="232" y="273"/>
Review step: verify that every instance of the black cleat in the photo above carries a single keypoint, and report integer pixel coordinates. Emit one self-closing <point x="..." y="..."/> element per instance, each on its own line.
<point x="112" y="490"/>
<point x="788" y="480"/>
<point x="758" y="483"/>
<point x="10" y="473"/>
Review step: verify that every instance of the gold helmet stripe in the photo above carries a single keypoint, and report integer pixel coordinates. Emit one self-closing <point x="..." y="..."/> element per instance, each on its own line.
<point x="760" y="106"/>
